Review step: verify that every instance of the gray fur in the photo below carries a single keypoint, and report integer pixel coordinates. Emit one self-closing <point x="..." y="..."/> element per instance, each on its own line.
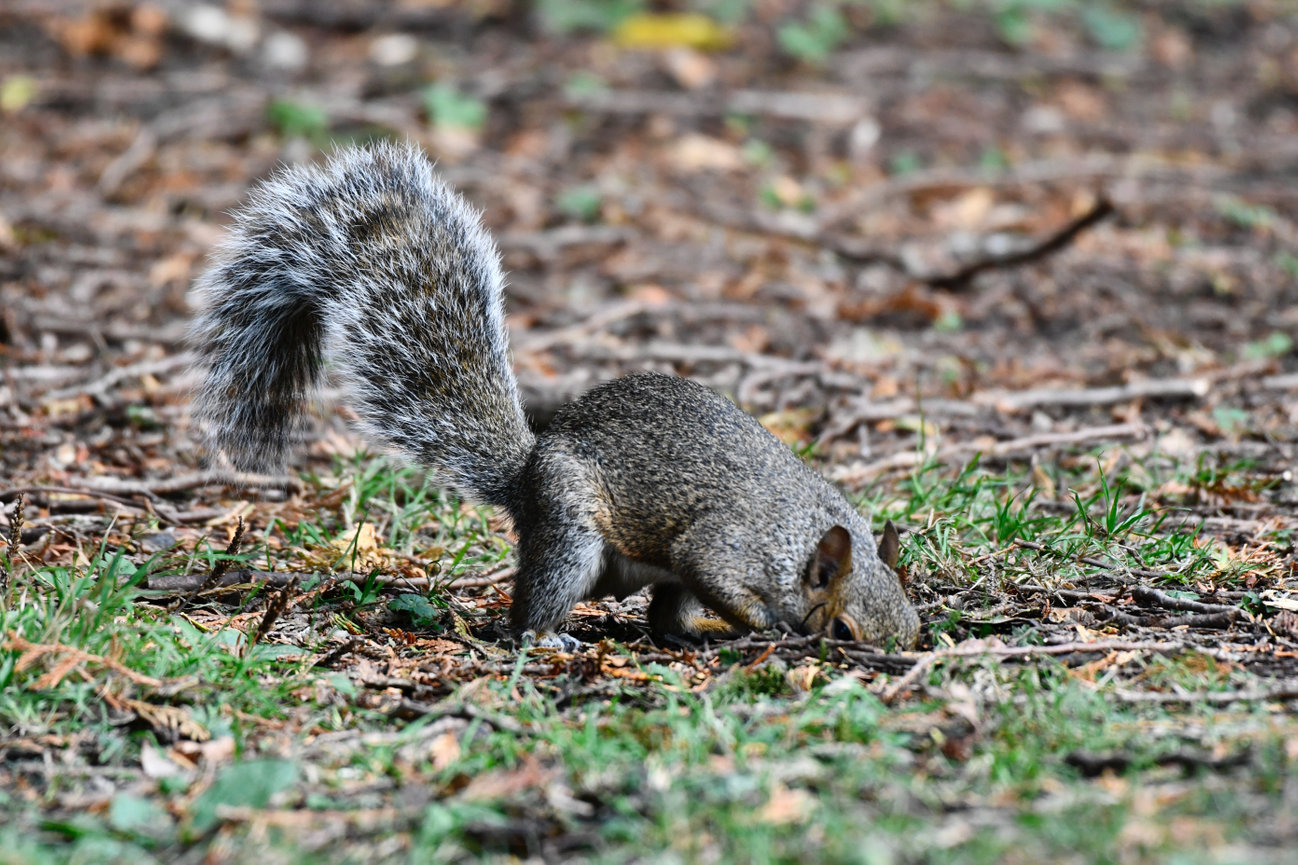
<point x="374" y="263"/>
<point x="679" y="481"/>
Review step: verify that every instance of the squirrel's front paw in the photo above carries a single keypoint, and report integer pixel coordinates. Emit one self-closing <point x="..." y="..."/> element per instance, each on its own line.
<point x="552" y="640"/>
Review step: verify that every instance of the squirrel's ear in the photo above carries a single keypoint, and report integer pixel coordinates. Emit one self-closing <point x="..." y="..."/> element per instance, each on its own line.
<point x="833" y="558"/>
<point x="889" y="545"/>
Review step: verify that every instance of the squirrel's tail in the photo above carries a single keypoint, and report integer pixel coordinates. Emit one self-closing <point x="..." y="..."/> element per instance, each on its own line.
<point x="373" y="263"/>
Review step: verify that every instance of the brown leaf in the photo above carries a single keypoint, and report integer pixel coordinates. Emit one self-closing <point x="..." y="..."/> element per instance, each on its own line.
<point x="529" y="775"/>
<point x="786" y="806"/>
<point x="444" y="750"/>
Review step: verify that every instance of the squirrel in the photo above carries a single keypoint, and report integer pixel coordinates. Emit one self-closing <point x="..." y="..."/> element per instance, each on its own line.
<point x="372" y="261"/>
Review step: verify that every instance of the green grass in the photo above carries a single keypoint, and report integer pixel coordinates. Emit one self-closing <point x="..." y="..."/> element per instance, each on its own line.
<point x="723" y="763"/>
<point x="732" y="776"/>
<point x="94" y="610"/>
<point x="1138" y="515"/>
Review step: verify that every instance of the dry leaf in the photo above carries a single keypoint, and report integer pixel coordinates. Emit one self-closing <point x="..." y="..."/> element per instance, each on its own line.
<point x="803" y="677"/>
<point x="212" y="752"/>
<point x="968" y="212"/>
<point x="695" y="152"/>
<point x="786" y="806"/>
<point x="158" y="763"/>
<point x="1272" y="598"/>
<point x="169" y="723"/>
<point x="444" y="750"/>
<point x="503" y="784"/>
<point x="791" y="426"/>
<point x="690" y="69"/>
<point x="689" y="30"/>
<point x="359" y="550"/>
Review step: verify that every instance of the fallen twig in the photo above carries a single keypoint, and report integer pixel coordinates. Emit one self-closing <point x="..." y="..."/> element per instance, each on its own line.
<point x="1092" y="765"/>
<point x="1170" y="388"/>
<point x="1195" y="620"/>
<point x="546" y="244"/>
<point x="1196" y="387"/>
<point x="1154" y="597"/>
<point x="213" y="579"/>
<point x="334" y="655"/>
<point x="187" y="583"/>
<point x="861" y="252"/>
<point x="275" y="607"/>
<point x="100" y="386"/>
<point x="907" y="681"/>
<point x="408" y="709"/>
<point x="1287" y="690"/>
<point x="830" y="108"/>
<point x="857" y="474"/>
<point x="1101" y="210"/>
<point x="147" y="507"/>
<point x="194" y="480"/>
<point x="171" y="333"/>
<point x="302" y="818"/>
<point x="1089" y="167"/>
<point x="45" y="491"/>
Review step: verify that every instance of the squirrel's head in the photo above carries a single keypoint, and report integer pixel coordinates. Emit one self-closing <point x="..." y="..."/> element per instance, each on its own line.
<point x="858" y="597"/>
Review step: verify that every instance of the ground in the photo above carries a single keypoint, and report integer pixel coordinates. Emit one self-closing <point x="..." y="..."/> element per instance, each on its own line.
<point x="1019" y="276"/>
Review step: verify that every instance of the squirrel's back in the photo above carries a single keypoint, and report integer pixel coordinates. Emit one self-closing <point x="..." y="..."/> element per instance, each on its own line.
<point x="372" y="262"/>
<point x="665" y="450"/>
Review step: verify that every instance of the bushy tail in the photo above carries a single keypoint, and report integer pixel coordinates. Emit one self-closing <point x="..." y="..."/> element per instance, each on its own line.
<point x="372" y="262"/>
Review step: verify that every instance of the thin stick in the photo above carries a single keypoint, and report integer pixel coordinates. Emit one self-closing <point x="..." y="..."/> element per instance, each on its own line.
<point x="908" y="459"/>
<point x="830" y="108"/>
<point x="906" y="682"/>
<point x="275" y="608"/>
<point x="1287" y="690"/>
<point x="1173" y="388"/>
<point x="194" y="480"/>
<point x="185" y="583"/>
<point x="333" y="655"/>
<point x="1101" y="210"/>
<point x="1154" y="597"/>
<point x="148" y="507"/>
<point x="213" y="579"/>
<point x="100" y="386"/>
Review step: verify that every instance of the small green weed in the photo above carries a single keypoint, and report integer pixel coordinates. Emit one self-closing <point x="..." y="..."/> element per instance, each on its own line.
<point x="599" y="16"/>
<point x="1245" y="215"/>
<point x="1276" y="344"/>
<point x="816" y="37"/>
<point x="448" y="108"/>
<point x="298" y="119"/>
<point x="582" y="203"/>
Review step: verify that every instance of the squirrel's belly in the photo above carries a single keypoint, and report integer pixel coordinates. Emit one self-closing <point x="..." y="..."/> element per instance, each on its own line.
<point x="622" y="576"/>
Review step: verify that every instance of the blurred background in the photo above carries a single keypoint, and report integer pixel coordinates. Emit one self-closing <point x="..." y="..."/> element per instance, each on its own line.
<point x="823" y="207"/>
<point x="1020" y="275"/>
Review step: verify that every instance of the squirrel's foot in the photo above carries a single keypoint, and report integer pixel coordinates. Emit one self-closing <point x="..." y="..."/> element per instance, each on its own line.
<point x="552" y="640"/>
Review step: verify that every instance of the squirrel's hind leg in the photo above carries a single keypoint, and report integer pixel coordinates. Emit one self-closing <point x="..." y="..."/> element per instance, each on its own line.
<point x="675" y="611"/>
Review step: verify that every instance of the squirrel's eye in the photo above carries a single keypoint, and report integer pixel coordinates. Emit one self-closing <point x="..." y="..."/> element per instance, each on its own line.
<point x="840" y="630"/>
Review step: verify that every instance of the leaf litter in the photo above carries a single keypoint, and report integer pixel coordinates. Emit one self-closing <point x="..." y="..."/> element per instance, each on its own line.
<point x="1086" y="425"/>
